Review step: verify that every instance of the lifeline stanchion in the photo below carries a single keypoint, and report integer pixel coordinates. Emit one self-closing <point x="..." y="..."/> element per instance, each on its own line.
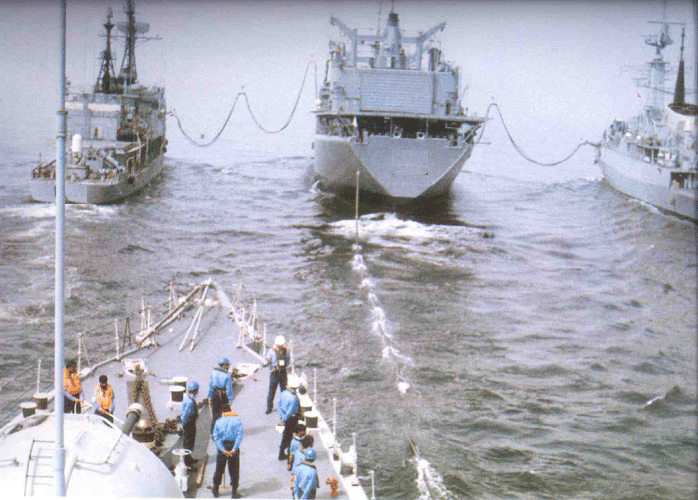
<point x="356" y="209"/>
<point x="38" y="378"/>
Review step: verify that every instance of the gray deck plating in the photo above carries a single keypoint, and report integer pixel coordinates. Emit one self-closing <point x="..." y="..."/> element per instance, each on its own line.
<point x="262" y="475"/>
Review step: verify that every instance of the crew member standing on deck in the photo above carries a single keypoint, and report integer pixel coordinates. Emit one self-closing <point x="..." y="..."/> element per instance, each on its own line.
<point x="298" y="436"/>
<point x="220" y="389"/>
<point x="104" y="399"/>
<point x="277" y="358"/>
<point x="227" y="434"/>
<point x="289" y="409"/>
<point x="73" y="395"/>
<point x="190" y="413"/>
<point x="306" y="481"/>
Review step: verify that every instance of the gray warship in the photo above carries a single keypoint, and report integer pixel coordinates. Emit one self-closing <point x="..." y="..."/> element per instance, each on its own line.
<point x="385" y="122"/>
<point x="184" y="330"/>
<point x="117" y="130"/>
<point x="652" y="156"/>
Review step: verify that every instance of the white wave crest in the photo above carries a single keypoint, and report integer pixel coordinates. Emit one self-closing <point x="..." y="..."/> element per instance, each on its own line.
<point x="429" y="482"/>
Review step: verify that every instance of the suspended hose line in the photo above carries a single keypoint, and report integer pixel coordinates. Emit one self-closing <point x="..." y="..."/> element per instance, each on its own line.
<point x="249" y="108"/>
<point x="519" y="150"/>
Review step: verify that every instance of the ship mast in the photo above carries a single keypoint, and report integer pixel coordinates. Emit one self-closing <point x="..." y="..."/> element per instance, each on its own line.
<point x="128" y="74"/>
<point x="107" y="73"/>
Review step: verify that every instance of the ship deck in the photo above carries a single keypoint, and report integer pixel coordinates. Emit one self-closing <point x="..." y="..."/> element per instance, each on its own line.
<point x="262" y="475"/>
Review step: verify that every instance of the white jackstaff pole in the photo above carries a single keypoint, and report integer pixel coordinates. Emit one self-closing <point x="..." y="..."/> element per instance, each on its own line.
<point x="59" y="463"/>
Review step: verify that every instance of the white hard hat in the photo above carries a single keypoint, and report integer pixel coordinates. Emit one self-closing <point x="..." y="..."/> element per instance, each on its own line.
<point x="293" y="381"/>
<point x="280" y="340"/>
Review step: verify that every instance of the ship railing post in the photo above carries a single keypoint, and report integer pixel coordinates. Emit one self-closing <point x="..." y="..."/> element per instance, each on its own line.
<point x="79" y="351"/>
<point x="373" y="485"/>
<point x="356" y="209"/>
<point x="290" y="355"/>
<point x="143" y="323"/>
<point x="355" y="458"/>
<point x="334" y="417"/>
<point x="314" y="386"/>
<point x="264" y="342"/>
<point x="38" y="377"/>
<point x="116" y="337"/>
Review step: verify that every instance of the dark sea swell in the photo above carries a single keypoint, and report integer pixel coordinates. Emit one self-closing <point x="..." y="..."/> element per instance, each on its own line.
<point x="531" y="339"/>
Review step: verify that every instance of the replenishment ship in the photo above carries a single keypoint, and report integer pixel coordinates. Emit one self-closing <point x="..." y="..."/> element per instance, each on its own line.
<point x="386" y="120"/>
<point x="117" y="130"/>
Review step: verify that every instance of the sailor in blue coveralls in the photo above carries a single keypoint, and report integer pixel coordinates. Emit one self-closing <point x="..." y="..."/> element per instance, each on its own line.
<point x="220" y="389"/>
<point x="306" y="482"/>
<point x="227" y="434"/>
<point x="277" y="358"/>
<point x="296" y="443"/>
<point x="190" y="413"/>
<point x="289" y="410"/>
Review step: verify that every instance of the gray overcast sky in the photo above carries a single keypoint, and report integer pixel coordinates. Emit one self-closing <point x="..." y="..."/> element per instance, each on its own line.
<point x="560" y="66"/>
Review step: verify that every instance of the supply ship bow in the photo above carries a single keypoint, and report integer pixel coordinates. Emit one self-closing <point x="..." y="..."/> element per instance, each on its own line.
<point x="117" y="130"/>
<point x="379" y="113"/>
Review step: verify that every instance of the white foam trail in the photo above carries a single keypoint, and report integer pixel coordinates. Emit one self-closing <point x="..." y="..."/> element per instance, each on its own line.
<point x="358" y="265"/>
<point x="380" y="325"/>
<point x="429" y="482"/>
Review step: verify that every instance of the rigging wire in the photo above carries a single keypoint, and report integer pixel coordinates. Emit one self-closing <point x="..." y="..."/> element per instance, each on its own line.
<point x="249" y="108"/>
<point x="518" y="148"/>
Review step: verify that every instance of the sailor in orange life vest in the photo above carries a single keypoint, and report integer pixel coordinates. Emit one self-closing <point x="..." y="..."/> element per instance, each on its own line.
<point x="277" y="358"/>
<point x="220" y="389"/>
<point x="73" y="395"/>
<point x="103" y="399"/>
<point x="289" y="411"/>
<point x="227" y="434"/>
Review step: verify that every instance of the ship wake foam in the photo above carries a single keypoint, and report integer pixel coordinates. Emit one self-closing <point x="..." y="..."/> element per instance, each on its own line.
<point x="380" y="324"/>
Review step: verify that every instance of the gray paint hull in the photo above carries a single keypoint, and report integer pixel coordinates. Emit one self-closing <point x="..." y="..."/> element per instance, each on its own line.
<point x="403" y="169"/>
<point x="648" y="183"/>
<point x="97" y="192"/>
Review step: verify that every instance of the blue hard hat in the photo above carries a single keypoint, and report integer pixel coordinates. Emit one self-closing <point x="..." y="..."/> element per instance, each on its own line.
<point x="223" y="361"/>
<point x="310" y="454"/>
<point x="193" y="385"/>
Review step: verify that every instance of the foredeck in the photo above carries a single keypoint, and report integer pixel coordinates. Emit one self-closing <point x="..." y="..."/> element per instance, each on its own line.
<point x="262" y="475"/>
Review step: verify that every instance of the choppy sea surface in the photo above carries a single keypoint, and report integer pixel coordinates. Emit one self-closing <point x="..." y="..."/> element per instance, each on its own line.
<point x="533" y="334"/>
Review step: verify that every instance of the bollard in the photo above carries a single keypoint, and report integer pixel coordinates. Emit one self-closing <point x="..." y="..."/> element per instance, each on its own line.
<point x="28" y="408"/>
<point x="177" y="393"/>
<point x="41" y="400"/>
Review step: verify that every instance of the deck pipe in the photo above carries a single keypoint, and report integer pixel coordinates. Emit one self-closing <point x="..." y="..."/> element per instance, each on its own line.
<point x="133" y="415"/>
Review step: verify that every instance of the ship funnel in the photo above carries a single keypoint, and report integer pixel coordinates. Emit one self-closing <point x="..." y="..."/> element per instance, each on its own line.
<point x="133" y="415"/>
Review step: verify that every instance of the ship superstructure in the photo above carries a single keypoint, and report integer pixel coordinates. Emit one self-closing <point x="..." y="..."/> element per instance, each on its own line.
<point x="652" y="156"/>
<point x="117" y="130"/>
<point x="390" y="110"/>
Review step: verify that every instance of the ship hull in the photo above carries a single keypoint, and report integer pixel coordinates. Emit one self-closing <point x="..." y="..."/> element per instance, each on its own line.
<point x="95" y="191"/>
<point x="398" y="168"/>
<point x="650" y="183"/>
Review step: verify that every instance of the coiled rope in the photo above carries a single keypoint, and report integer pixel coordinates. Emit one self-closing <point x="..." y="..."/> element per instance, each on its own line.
<point x="249" y="108"/>
<point x="518" y="148"/>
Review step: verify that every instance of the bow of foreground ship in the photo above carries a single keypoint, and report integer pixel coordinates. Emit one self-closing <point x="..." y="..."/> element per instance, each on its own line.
<point x="652" y="156"/>
<point x="385" y="121"/>
<point x="149" y="369"/>
<point x="117" y="130"/>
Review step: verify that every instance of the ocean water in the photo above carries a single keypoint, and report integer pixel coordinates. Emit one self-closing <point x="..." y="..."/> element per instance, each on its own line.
<point x="532" y="335"/>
